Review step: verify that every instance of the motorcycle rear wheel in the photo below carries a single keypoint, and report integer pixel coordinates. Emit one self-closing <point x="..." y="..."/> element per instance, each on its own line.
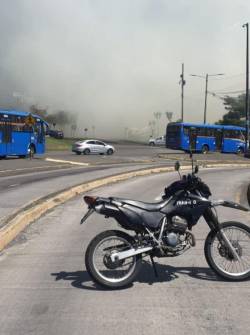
<point x="99" y="265"/>
<point x="219" y="257"/>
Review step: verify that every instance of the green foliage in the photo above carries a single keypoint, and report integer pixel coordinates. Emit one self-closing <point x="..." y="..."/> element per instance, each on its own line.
<point x="235" y="110"/>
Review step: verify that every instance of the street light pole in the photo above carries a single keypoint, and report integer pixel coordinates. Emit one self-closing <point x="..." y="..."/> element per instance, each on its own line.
<point x="182" y="82"/>
<point x="247" y="89"/>
<point x="206" y="91"/>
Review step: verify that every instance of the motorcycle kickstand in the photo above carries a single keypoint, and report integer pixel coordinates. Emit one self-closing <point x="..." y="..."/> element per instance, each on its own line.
<point x="154" y="267"/>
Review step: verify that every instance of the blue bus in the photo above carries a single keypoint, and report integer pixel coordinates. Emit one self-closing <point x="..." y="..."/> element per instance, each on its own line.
<point x="205" y="137"/>
<point x="17" y="137"/>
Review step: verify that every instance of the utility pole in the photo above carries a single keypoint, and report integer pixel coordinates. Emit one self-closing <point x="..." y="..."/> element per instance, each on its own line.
<point x="205" y="107"/>
<point x="182" y="82"/>
<point x="206" y="78"/>
<point x="247" y="89"/>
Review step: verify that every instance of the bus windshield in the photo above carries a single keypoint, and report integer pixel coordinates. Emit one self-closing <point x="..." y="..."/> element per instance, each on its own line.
<point x="173" y="130"/>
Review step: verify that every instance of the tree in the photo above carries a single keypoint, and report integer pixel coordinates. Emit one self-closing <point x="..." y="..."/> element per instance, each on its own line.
<point x="235" y="110"/>
<point x="60" y="117"/>
<point x="169" y="116"/>
<point x="39" y="111"/>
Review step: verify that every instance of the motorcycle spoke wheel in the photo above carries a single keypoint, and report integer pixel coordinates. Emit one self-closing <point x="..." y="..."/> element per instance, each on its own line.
<point x="108" y="270"/>
<point x="222" y="257"/>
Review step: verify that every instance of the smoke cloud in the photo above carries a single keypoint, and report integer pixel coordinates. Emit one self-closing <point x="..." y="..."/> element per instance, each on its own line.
<point x="115" y="63"/>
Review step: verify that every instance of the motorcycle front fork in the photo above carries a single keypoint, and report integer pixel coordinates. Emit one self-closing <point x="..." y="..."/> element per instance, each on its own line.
<point x="214" y="225"/>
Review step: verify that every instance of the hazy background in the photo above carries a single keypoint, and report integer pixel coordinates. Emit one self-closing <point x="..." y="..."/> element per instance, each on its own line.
<point x="116" y="62"/>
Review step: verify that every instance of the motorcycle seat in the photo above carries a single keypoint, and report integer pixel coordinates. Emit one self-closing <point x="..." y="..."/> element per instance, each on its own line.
<point x="150" y="207"/>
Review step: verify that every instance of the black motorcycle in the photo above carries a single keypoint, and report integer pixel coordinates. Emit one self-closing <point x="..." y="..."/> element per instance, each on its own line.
<point x="163" y="229"/>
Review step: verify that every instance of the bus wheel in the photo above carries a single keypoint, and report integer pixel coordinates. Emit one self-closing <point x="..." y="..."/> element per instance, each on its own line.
<point x="21" y="156"/>
<point x="205" y="149"/>
<point x="240" y="151"/>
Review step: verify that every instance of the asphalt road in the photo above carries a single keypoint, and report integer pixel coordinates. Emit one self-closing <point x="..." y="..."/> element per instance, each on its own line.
<point x="23" y="180"/>
<point x="19" y="190"/>
<point x="125" y="154"/>
<point x="45" y="288"/>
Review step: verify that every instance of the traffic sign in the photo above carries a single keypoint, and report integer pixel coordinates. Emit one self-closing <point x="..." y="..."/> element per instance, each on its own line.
<point x="30" y="120"/>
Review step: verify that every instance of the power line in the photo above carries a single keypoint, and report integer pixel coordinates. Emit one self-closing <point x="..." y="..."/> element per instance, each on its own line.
<point x="228" y="92"/>
<point x="229" y="77"/>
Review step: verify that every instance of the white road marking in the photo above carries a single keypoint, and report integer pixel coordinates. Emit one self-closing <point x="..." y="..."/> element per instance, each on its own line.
<point x="13" y="185"/>
<point x="66" y="162"/>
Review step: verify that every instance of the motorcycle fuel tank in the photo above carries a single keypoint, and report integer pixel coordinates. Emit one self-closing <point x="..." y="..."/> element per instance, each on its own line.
<point x="190" y="206"/>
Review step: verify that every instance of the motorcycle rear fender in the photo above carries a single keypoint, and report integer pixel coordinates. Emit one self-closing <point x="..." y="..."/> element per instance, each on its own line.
<point x="230" y="204"/>
<point x="104" y="209"/>
<point x="107" y="209"/>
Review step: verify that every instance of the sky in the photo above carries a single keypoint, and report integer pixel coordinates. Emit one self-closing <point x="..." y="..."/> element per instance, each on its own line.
<point x="115" y="63"/>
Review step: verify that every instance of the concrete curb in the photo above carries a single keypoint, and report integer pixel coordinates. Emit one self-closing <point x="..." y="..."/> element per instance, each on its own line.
<point x="13" y="225"/>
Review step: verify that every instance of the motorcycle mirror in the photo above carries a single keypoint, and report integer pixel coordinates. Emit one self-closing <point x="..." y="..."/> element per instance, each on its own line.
<point x="196" y="169"/>
<point x="177" y="166"/>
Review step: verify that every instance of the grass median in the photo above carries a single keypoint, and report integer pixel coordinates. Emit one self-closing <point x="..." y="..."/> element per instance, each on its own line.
<point x="64" y="144"/>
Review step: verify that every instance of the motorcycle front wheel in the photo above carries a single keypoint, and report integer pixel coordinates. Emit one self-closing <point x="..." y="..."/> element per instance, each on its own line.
<point x="101" y="268"/>
<point x="219" y="257"/>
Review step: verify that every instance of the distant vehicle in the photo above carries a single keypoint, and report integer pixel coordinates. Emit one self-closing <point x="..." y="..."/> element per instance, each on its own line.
<point x="157" y="141"/>
<point x="21" y="134"/>
<point x="92" y="147"/>
<point x="55" y="133"/>
<point x="205" y="137"/>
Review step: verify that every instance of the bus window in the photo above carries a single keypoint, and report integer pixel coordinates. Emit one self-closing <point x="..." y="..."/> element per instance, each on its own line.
<point x="186" y="130"/>
<point x="242" y="136"/>
<point x="210" y="132"/>
<point x="201" y="131"/>
<point x="235" y="134"/>
<point x="227" y="134"/>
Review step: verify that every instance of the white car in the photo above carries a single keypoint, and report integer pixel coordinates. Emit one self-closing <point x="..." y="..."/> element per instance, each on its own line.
<point x="92" y="147"/>
<point x="157" y="141"/>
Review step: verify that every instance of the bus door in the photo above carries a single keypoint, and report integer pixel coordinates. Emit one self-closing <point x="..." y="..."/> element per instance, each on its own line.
<point x="218" y="139"/>
<point x="192" y="138"/>
<point x="7" y="138"/>
<point x="39" y="135"/>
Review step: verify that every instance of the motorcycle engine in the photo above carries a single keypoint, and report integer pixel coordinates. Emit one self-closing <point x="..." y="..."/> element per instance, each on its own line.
<point x="179" y="224"/>
<point x="172" y="239"/>
<point x="176" y="238"/>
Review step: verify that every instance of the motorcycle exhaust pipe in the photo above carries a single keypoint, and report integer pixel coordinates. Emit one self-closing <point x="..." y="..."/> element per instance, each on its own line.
<point x="118" y="256"/>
